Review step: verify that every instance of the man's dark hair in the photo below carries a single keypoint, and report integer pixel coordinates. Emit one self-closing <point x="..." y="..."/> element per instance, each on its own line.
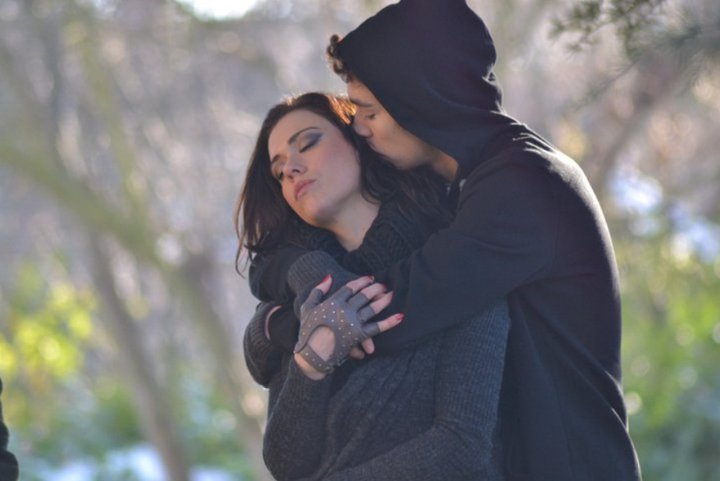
<point x="336" y="61"/>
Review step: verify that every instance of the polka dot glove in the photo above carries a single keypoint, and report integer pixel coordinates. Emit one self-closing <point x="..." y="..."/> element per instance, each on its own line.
<point x="346" y="314"/>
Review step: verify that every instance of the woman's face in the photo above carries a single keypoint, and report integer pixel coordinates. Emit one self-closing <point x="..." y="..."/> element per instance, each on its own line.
<point x="318" y="169"/>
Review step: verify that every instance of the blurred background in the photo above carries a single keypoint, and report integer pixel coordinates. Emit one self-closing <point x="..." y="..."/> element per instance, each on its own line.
<point x="125" y="127"/>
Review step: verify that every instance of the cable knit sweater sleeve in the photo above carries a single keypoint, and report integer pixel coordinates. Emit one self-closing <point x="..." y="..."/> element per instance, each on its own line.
<point x="262" y="358"/>
<point x="293" y="440"/>
<point x="263" y="355"/>
<point x="459" y="445"/>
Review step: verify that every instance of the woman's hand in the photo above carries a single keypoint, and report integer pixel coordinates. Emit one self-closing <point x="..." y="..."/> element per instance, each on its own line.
<point x="332" y="329"/>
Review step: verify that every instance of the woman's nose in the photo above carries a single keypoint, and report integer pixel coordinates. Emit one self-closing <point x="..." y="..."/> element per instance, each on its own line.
<point x="294" y="166"/>
<point x="360" y="128"/>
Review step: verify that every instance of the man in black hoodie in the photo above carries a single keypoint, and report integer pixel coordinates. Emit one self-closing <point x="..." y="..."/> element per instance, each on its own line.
<point x="8" y="463"/>
<point x="527" y="226"/>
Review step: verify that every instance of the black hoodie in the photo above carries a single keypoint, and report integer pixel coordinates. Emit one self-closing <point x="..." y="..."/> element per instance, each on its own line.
<point x="8" y="463"/>
<point x="527" y="226"/>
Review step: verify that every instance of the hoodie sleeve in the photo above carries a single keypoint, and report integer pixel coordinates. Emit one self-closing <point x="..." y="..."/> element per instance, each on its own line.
<point x="8" y="462"/>
<point x="293" y="441"/>
<point x="503" y="236"/>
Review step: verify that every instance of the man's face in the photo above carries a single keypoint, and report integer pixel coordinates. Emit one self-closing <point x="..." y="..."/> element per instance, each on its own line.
<point x="383" y="134"/>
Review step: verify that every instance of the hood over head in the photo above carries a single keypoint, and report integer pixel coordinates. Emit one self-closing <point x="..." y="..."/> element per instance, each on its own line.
<point x="429" y="62"/>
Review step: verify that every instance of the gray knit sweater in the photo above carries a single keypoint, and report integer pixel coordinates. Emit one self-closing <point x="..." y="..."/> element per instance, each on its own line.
<point x="426" y="413"/>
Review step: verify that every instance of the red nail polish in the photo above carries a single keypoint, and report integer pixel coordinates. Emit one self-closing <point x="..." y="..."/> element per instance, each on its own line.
<point x="326" y="278"/>
<point x="400" y="316"/>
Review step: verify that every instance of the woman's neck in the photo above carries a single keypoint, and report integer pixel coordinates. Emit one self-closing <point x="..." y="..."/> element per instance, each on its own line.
<point x="352" y="224"/>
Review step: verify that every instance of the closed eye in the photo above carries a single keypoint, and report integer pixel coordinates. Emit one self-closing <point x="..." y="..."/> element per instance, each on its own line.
<point x="314" y="139"/>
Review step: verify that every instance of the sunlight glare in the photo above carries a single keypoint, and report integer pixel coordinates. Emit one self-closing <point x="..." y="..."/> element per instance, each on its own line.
<point x="220" y="9"/>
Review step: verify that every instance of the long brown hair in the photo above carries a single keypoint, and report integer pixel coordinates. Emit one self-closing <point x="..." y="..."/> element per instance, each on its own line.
<point x="268" y="221"/>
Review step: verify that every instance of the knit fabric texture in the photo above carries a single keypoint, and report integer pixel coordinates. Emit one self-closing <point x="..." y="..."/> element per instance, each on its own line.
<point x="391" y="236"/>
<point x="426" y="413"/>
<point x="262" y="358"/>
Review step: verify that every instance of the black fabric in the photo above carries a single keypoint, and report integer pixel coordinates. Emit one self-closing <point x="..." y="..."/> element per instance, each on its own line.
<point x="391" y="236"/>
<point x="266" y="271"/>
<point x="427" y="413"/>
<point x="262" y="358"/>
<point x="8" y="462"/>
<point x="273" y="266"/>
<point x="429" y="62"/>
<point x="527" y="226"/>
<point x="283" y="327"/>
<point x="310" y="270"/>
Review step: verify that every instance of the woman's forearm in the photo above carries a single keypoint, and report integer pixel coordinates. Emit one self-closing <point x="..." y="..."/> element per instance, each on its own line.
<point x="294" y="437"/>
<point x="262" y="358"/>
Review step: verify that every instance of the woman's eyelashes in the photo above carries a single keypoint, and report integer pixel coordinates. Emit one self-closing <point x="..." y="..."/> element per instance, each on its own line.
<point x="309" y="142"/>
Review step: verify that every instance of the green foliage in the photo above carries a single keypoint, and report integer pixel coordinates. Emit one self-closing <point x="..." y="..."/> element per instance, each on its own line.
<point x="47" y="327"/>
<point x="684" y="32"/>
<point x="209" y="427"/>
<point x="60" y="408"/>
<point x="102" y="419"/>
<point x="671" y="353"/>
<point x="630" y="18"/>
<point x="43" y="346"/>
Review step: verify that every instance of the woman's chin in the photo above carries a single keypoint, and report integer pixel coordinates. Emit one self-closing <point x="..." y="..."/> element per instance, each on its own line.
<point x="315" y="220"/>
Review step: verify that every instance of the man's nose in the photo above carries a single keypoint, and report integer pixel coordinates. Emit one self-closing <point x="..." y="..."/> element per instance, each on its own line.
<point x="360" y="128"/>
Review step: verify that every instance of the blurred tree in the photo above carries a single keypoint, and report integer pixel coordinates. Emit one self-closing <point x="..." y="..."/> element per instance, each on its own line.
<point x="124" y="129"/>
<point x="44" y="338"/>
<point x="73" y="180"/>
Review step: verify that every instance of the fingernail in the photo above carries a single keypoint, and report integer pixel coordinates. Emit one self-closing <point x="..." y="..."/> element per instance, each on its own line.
<point x="400" y="316"/>
<point x="372" y="278"/>
<point x="326" y="278"/>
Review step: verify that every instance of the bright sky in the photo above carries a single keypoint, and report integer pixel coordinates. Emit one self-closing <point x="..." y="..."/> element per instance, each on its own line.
<point x="220" y="8"/>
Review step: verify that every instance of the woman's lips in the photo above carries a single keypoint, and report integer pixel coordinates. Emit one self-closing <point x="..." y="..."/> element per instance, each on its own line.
<point x="302" y="187"/>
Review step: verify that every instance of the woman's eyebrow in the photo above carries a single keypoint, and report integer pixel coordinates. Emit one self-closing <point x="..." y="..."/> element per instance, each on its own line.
<point x="294" y="136"/>
<point x="291" y="141"/>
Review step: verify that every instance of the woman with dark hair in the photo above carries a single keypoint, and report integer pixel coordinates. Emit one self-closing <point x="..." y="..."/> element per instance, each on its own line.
<point x="427" y="412"/>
